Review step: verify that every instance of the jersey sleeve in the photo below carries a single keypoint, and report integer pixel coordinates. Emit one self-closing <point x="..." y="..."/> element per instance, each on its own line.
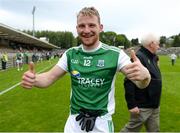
<point x="123" y="60"/>
<point x="62" y="63"/>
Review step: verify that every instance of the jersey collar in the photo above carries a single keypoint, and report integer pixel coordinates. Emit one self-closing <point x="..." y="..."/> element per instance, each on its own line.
<point x="93" y="50"/>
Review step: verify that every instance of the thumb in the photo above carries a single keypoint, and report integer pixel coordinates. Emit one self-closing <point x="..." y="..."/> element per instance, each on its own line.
<point x="133" y="56"/>
<point x="31" y="67"/>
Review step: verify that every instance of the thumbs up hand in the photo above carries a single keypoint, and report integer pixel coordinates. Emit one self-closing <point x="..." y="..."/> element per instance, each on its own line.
<point x="133" y="56"/>
<point x="31" y="67"/>
<point x="137" y="72"/>
<point x="28" y="78"/>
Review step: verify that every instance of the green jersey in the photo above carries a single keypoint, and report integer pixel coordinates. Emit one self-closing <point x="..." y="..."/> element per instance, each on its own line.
<point x="92" y="76"/>
<point x="19" y="56"/>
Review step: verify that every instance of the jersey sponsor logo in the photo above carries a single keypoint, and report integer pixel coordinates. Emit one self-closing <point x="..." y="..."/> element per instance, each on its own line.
<point x="74" y="61"/>
<point x="87" y="82"/>
<point x="91" y="82"/>
<point x="100" y="63"/>
<point x="75" y="73"/>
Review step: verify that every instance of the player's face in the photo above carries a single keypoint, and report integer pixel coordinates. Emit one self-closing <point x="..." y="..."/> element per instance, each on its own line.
<point x="88" y="29"/>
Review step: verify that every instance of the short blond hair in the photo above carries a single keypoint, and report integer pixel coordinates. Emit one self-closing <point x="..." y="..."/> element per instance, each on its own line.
<point x="89" y="11"/>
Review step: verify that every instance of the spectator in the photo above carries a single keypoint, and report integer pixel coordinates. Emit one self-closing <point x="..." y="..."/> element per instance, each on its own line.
<point x="19" y="60"/>
<point x="4" y="60"/>
<point x="143" y="104"/>
<point x="173" y="58"/>
<point x="26" y="57"/>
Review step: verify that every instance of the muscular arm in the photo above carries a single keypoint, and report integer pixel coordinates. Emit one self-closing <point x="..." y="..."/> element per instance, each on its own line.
<point x="30" y="79"/>
<point x="47" y="78"/>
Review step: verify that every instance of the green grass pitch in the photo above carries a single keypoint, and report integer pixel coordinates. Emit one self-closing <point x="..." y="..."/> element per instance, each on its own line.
<point x="46" y="110"/>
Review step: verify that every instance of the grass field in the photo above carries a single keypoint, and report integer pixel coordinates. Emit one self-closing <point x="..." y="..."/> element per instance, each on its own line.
<point x="46" y="110"/>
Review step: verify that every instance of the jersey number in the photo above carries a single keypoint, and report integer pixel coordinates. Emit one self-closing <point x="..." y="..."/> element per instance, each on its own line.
<point x="87" y="62"/>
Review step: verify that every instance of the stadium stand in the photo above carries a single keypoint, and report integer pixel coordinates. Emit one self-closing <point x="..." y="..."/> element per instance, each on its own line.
<point x="11" y="34"/>
<point x="12" y="40"/>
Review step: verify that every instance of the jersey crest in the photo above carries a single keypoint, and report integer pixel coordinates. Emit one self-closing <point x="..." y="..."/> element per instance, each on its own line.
<point x="100" y="63"/>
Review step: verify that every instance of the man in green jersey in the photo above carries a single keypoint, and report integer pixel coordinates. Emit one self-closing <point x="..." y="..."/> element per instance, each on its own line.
<point x="19" y="60"/>
<point x="92" y="66"/>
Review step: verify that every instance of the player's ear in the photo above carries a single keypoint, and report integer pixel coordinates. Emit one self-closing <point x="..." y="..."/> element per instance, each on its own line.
<point x="101" y="27"/>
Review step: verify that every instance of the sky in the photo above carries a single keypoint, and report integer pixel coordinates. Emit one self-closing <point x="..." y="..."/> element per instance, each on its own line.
<point x="134" y="18"/>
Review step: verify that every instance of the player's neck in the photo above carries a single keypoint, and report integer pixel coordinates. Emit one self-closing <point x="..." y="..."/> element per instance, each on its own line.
<point x="91" y="48"/>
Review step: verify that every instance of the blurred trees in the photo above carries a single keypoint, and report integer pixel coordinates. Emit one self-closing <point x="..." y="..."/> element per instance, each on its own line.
<point x="176" y="41"/>
<point x="66" y="39"/>
<point x="113" y="39"/>
<point x="135" y="42"/>
<point x="61" y="39"/>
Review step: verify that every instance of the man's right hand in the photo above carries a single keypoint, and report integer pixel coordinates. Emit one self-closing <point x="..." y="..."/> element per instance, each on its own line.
<point x="135" y="110"/>
<point x="28" y="78"/>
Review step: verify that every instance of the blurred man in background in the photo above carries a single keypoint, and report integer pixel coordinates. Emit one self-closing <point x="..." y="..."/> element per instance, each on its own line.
<point x="143" y="104"/>
<point x="173" y="58"/>
<point x="4" y="60"/>
<point x="19" y="60"/>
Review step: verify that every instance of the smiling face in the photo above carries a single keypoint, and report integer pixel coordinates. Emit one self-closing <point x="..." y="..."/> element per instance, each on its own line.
<point x="88" y="28"/>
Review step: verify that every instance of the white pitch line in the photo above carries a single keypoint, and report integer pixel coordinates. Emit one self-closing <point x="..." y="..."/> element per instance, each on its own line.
<point x="12" y="87"/>
<point x="6" y="90"/>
